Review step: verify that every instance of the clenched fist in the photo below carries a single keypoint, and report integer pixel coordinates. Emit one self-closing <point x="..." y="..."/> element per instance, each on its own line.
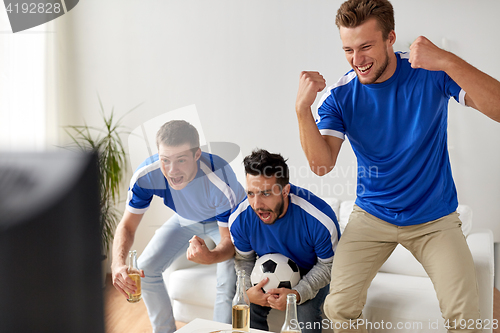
<point x="198" y="251"/>
<point x="424" y="54"/>
<point x="310" y="84"/>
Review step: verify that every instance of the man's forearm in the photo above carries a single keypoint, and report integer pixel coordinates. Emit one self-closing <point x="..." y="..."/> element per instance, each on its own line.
<point x="245" y="263"/>
<point x="223" y="251"/>
<point x="318" y="277"/>
<point x="316" y="149"/>
<point x="122" y="243"/>
<point x="482" y="89"/>
<point x="124" y="237"/>
<point x="318" y="152"/>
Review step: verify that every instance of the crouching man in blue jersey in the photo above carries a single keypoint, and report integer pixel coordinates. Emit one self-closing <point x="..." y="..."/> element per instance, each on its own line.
<point x="202" y="189"/>
<point x="393" y="107"/>
<point x="278" y="217"/>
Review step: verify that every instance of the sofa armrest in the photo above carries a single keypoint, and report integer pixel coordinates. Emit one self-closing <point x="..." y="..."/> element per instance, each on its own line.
<point x="481" y="246"/>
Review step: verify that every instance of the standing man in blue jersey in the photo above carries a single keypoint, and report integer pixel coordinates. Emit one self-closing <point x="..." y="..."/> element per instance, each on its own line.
<point x="202" y="190"/>
<point x="278" y="217"/>
<point x="393" y="108"/>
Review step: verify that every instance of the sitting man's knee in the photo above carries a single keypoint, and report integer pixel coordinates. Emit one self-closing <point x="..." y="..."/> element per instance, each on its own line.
<point x="150" y="268"/>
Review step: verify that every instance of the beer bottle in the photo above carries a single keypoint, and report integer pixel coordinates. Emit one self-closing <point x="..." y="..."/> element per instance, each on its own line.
<point x="241" y="305"/>
<point x="291" y="324"/>
<point x="133" y="273"/>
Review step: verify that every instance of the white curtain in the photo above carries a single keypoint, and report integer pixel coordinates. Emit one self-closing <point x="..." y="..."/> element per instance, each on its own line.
<point x="24" y="79"/>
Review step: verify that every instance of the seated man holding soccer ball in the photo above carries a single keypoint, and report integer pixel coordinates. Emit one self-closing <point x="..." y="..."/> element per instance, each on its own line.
<point x="278" y="217"/>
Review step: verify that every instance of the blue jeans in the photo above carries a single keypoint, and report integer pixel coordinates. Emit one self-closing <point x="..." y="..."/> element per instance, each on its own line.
<point x="168" y="243"/>
<point x="308" y="314"/>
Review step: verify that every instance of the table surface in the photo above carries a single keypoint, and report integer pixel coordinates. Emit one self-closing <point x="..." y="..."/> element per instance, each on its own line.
<point x="207" y="326"/>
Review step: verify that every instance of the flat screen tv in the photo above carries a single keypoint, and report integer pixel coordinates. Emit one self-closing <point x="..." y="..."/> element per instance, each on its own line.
<point x="50" y="257"/>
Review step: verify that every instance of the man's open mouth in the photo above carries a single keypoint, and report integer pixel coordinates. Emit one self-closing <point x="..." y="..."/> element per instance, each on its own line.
<point x="264" y="215"/>
<point x="176" y="180"/>
<point x="365" y="68"/>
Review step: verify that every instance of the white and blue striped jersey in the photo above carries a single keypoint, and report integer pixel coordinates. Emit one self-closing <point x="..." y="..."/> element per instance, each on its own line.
<point x="308" y="231"/>
<point x="398" y="131"/>
<point x="211" y="195"/>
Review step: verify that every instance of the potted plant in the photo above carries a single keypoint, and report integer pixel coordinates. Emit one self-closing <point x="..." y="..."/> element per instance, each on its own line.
<point x="112" y="167"/>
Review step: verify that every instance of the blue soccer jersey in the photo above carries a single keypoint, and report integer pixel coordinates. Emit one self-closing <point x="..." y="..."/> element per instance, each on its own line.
<point x="211" y="195"/>
<point x="398" y="131"/>
<point x="308" y="231"/>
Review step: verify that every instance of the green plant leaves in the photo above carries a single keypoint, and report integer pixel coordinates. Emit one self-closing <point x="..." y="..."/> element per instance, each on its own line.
<point x="108" y="143"/>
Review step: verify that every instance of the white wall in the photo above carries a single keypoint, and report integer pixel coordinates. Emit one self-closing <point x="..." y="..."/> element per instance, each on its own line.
<point x="239" y="62"/>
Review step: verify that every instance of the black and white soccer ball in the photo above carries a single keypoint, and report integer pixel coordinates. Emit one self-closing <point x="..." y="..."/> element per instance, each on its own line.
<point x="282" y="272"/>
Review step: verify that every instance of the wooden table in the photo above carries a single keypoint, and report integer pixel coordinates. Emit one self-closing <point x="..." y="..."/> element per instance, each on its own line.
<point x="206" y="326"/>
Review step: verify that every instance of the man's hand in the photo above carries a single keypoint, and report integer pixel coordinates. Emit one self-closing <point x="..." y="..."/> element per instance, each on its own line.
<point x="256" y="295"/>
<point x="198" y="251"/>
<point x="122" y="282"/>
<point x="277" y="297"/>
<point x="310" y="84"/>
<point x="124" y="238"/>
<point x="424" y="54"/>
<point x="482" y="90"/>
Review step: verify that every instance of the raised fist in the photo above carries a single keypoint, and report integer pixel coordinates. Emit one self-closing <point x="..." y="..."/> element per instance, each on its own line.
<point x="310" y="84"/>
<point x="425" y="54"/>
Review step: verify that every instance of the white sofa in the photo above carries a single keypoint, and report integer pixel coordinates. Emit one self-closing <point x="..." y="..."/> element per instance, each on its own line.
<point x="401" y="293"/>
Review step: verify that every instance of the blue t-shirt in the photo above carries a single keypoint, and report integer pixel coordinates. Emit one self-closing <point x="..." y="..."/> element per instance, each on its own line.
<point x="211" y="195"/>
<point x="398" y="131"/>
<point x="306" y="233"/>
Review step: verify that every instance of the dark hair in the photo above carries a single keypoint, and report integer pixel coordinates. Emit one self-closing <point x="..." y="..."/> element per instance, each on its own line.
<point x="353" y="13"/>
<point x="176" y="133"/>
<point x="262" y="162"/>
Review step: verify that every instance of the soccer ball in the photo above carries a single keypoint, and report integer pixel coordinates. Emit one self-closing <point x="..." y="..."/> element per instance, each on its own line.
<point x="281" y="271"/>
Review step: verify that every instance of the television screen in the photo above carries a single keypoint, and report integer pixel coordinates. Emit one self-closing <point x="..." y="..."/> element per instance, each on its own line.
<point x="50" y="257"/>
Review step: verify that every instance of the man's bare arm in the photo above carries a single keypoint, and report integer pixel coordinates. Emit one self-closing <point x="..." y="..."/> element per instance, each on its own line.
<point x="482" y="91"/>
<point x="123" y="240"/>
<point x="321" y="151"/>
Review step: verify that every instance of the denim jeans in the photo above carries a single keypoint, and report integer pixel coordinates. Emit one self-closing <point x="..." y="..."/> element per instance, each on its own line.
<point x="308" y="314"/>
<point x="168" y="243"/>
